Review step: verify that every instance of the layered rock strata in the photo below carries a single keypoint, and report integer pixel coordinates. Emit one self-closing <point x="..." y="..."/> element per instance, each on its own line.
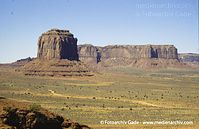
<point x="56" y="67"/>
<point x="129" y="51"/>
<point x="142" y="56"/>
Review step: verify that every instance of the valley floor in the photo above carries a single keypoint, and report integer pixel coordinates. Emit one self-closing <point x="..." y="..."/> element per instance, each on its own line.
<point x="117" y="94"/>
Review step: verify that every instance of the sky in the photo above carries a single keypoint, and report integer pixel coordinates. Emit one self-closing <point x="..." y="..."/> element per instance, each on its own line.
<point x="98" y="22"/>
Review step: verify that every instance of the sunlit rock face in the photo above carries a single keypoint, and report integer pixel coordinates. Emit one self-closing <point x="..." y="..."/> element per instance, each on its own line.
<point x="129" y="51"/>
<point x="57" y="44"/>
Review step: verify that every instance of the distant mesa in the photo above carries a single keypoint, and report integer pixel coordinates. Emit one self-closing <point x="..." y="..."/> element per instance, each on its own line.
<point x="57" y="56"/>
<point x="189" y="57"/>
<point x="140" y="56"/>
<point x="129" y="51"/>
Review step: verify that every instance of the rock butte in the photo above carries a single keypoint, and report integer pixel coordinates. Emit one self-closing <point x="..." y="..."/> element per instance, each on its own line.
<point x="57" y="56"/>
<point x="57" y="44"/>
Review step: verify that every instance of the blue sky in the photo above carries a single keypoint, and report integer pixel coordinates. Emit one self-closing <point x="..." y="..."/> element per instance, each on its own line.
<point x="98" y="22"/>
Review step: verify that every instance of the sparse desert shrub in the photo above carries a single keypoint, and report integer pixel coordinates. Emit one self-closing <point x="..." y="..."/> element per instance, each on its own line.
<point x="7" y="109"/>
<point x="145" y="96"/>
<point x="34" y="107"/>
<point x="120" y="106"/>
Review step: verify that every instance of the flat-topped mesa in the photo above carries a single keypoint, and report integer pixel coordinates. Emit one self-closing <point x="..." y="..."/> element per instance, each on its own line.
<point x="129" y="51"/>
<point x="57" y="44"/>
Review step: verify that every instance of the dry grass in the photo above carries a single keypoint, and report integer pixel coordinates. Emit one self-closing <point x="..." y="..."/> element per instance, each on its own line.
<point x="115" y="94"/>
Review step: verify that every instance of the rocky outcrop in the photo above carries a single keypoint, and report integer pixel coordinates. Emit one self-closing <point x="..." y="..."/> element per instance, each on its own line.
<point x="22" y="62"/>
<point x="36" y="119"/>
<point x="129" y="51"/>
<point x="57" y="44"/>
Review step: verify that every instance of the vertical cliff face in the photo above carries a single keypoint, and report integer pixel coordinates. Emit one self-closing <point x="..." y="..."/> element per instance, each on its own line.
<point x="164" y="51"/>
<point x="142" y="56"/>
<point x="57" y="44"/>
<point x="88" y="50"/>
<point x="129" y="51"/>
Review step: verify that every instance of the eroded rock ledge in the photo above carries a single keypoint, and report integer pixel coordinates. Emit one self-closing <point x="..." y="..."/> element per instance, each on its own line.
<point x="55" y="67"/>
